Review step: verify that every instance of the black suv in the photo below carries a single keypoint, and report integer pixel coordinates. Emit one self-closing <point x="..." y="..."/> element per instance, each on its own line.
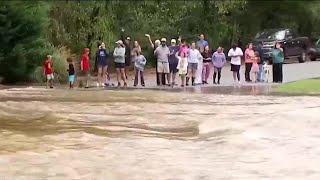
<point x="293" y="45"/>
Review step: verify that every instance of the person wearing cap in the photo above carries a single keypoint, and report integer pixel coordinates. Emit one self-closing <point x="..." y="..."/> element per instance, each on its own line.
<point x="202" y="43"/>
<point x="102" y="64"/>
<point x="162" y="53"/>
<point x="119" y="59"/>
<point x="173" y="62"/>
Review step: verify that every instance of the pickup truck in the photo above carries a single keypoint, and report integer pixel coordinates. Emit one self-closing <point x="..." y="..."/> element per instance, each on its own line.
<point x="293" y="45"/>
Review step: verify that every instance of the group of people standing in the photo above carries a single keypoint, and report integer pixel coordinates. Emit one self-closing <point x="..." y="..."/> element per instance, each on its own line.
<point x="191" y="62"/>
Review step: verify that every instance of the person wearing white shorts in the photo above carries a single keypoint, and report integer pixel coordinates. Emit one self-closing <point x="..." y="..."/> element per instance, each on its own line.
<point x="162" y="53"/>
<point x="50" y="76"/>
<point x="163" y="67"/>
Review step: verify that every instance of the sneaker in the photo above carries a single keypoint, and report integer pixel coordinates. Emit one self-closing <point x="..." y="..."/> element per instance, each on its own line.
<point x="102" y="85"/>
<point x="119" y="84"/>
<point x="239" y="82"/>
<point x="135" y="85"/>
<point x="125" y="85"/>
<point x="143" y="85"/>
<point x="98" y="85"/>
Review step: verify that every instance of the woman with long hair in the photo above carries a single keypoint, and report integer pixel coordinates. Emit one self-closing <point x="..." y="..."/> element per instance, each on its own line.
<point x="102" y="64"/>
<point x="218" y="61"/>
<point x="277" y="58"/>
<point x="206" y="54"/>
<point x="248" y="56"/>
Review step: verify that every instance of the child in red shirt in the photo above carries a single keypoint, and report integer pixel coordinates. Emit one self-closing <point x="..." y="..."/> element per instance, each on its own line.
<point x="85" y="65"/>
<point x="48" y="71"/>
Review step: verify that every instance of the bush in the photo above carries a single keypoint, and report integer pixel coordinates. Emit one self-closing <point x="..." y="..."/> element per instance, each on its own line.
<point x="59" y="64"/>
<point x="22" y="41"/>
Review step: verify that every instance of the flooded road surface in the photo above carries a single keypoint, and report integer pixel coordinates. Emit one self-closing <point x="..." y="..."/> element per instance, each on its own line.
<point x="137" y="135"/>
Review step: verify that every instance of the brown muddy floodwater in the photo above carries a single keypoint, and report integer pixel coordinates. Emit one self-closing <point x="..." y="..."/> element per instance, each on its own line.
<point x="138" y="135"/>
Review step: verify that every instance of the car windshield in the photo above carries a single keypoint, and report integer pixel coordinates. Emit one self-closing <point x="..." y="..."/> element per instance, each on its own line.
<point x="279" y="35"/>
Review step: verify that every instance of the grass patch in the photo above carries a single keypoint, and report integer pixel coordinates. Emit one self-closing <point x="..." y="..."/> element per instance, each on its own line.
<point x="303" y="86"/>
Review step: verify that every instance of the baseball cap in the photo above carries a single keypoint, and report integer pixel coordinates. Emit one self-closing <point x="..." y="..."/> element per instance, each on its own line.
<point x="163" y="40"/>
<point x="128" y="38"/>
<point x="173" y="41"/>
<point x="119" y="42"/>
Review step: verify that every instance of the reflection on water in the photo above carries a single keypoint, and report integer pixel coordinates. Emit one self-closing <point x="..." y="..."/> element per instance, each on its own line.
<point x="97" y="134"/>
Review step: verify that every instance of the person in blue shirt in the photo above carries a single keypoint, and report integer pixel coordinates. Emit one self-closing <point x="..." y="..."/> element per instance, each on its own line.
<point x="202" y="43"/>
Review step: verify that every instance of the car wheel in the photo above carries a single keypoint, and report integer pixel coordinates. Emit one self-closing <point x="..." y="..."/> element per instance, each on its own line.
<point x="302" y="57"/>
<point x="313" y="58"/>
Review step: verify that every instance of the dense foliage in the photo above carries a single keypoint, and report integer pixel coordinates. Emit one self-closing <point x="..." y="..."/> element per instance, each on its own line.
<point x="28" y="27"/>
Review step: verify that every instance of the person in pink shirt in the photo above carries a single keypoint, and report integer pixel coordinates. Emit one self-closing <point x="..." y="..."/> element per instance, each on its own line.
<point x="184" y="47"/>
<point x="248" y="56"/>
<point x="255" y="66"/>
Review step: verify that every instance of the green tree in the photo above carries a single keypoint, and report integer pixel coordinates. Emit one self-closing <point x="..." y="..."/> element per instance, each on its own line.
<point x="22" y="30"/>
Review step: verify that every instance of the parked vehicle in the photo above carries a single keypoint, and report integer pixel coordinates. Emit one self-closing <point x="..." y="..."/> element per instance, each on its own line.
<point x="314" y="51"/>
<point x="293" y="45"/>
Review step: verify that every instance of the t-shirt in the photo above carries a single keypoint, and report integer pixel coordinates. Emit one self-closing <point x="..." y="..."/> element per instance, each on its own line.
<point x="206" y="55"/>
<point x="140" y="62"/>
<point x="119" y="54"/>
<point x="48" y="67"/>
<point x="184" y="49"/>
<point x="202" y="43"/>
<point x="71" y="70"/>
<point x="249" y="53"/>
<point x="172" y="57"/>
<point x="238" y="53"/>
<point x="102" y="55"/>
<point x="277" y="56"/>
<point x="162" y="53"/>
<point x="85" y="62"/>
<point x="194" y="56"/>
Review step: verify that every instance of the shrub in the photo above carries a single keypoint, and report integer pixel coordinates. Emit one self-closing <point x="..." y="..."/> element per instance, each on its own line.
<point x="22" y="30"/>
<point x="59" y="64"/>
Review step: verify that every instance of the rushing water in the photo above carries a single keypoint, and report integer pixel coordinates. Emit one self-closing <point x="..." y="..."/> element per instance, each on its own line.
<point x="137" y="135"/>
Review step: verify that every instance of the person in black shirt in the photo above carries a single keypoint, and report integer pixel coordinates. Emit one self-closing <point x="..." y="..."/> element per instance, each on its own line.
<point x="206" y="54"/>
<point x="127" y="45"/>
<point x="71" y="72"/>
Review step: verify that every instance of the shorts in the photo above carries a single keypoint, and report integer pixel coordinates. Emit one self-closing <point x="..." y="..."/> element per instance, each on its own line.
<point x="183" y="71"/>
<point x="235" y="68"/>
<point x="173" y="68"/>
<point x="193" y="66"/>
<point x="120" y="65"/>
<point x="163" y="67"/>
<point x="71" y="78"/>
<point x="50" y="76"/>
<point x="85" y="73"/>
<point x="102" y="63"/>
